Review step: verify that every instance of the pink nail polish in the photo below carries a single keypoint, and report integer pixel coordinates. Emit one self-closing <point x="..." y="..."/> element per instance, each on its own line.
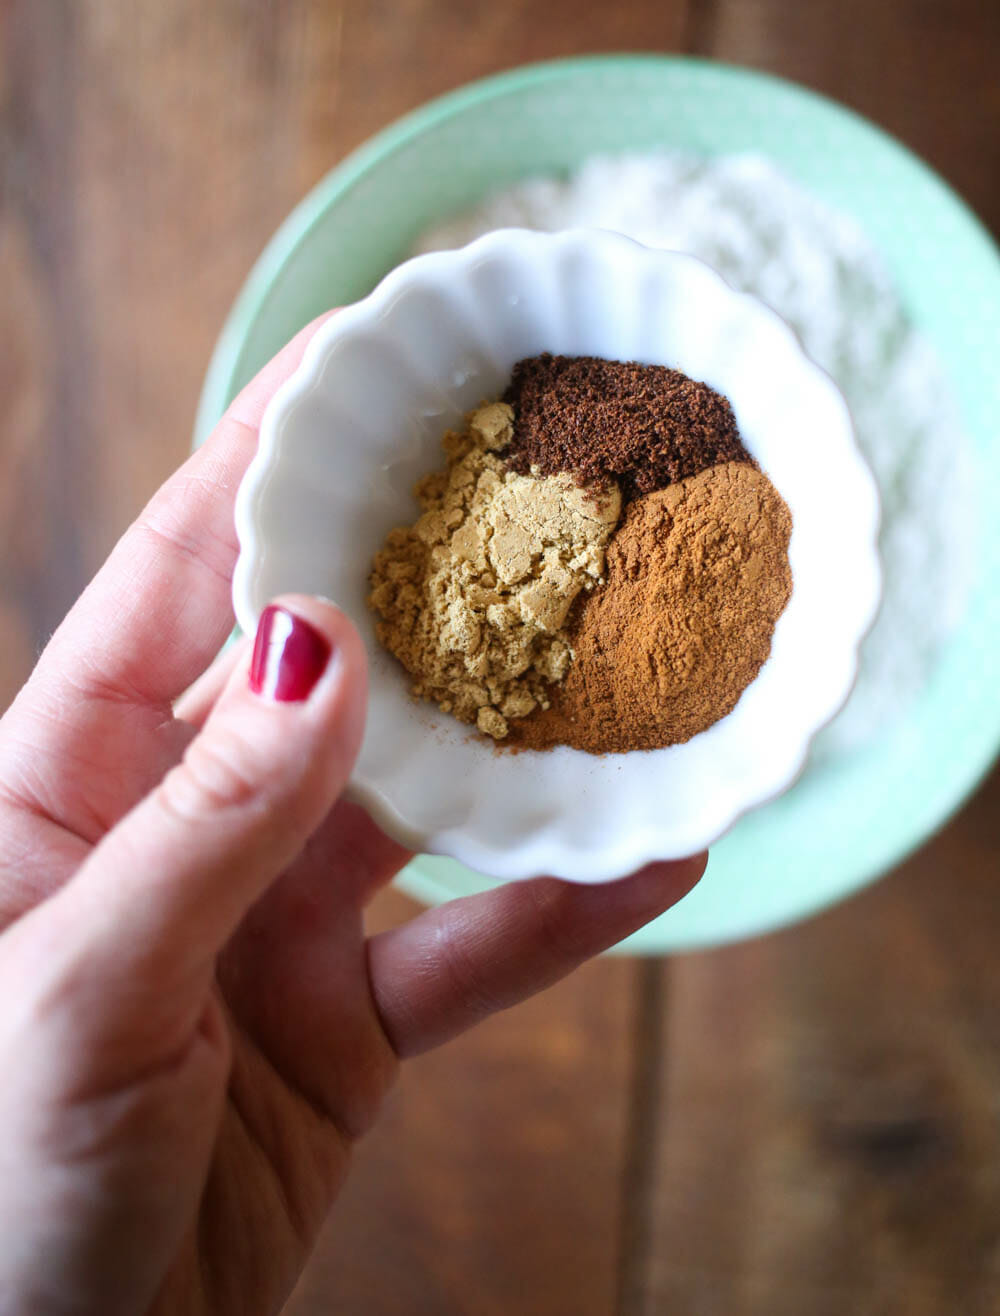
<point x="289" y="656"/>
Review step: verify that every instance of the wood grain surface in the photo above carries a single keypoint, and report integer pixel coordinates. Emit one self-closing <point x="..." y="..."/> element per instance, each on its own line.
<point x="805" y="1124"/>
<point x="829" y="1139"/>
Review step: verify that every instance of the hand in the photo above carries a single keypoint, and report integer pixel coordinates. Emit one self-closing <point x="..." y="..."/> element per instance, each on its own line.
<point x="193" y="1027"/>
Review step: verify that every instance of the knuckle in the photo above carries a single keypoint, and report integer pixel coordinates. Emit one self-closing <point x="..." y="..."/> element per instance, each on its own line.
<point x="163" y="525"/>
<point x="216" y="775"/>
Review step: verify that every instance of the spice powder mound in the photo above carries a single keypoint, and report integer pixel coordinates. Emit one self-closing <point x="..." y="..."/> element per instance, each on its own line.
<point x="697" y="576"/>
<point x="642" y="426"/>
<point x="473" y="599"/>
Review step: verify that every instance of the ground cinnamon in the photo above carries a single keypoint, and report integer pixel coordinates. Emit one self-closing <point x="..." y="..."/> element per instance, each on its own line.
<point x="697" y="576"/>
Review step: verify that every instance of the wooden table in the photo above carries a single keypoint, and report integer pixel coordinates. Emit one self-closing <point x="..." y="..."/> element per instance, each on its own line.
<point x="803" y="1125"/>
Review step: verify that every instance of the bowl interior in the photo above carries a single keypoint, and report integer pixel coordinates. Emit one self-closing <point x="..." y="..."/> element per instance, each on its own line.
<point x="847" y="819"/>
<point x="366" y="413"/>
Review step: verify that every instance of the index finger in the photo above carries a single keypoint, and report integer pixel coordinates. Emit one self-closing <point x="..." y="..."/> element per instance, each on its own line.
<point x="159" y="609"/>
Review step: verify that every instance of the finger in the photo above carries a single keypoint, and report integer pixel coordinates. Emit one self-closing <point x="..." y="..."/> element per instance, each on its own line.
<point x="449" y="968"/>
<point x="347" y="860"/>
<point x="159" y="609"/>
<point x="294" y="975"/>
<point x="198" y="700"/>
<point x="96" y="708"/>
<point x="158" y="898"/>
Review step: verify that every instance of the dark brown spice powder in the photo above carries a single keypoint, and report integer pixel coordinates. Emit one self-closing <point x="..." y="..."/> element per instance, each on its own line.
<point x="644" y="426"/>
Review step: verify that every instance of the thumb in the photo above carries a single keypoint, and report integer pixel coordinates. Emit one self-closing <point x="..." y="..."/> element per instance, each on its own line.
<point x="167" y="887"/>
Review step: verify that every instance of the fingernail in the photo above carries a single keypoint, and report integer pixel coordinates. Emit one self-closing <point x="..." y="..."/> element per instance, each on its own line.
<point x="289" y="656"/>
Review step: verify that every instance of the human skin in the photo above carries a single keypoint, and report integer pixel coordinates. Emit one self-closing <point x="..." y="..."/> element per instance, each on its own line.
<point x="194" y="1027"/>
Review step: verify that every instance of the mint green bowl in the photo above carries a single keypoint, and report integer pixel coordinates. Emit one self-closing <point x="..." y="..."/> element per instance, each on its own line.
<point x="848" y="819"/>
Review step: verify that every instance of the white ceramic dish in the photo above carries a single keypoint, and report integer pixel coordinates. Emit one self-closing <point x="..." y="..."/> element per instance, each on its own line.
<point x="343" y="442"/>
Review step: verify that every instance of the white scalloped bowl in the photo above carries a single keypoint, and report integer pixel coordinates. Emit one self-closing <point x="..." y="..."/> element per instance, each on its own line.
<point x="345" y="439"/>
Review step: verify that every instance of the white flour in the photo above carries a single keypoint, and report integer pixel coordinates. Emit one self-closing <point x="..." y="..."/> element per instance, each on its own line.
<point x="817" y="269"/>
